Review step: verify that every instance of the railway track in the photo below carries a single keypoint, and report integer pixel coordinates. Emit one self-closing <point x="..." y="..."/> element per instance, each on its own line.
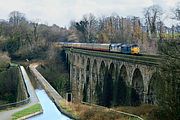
<point x="141" y="59"/>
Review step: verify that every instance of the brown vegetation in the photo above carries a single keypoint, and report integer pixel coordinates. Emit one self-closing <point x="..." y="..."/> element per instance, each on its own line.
<point x="4" y="61"/>
<point x="143" y="110"/>
<point x="86" y="112"/>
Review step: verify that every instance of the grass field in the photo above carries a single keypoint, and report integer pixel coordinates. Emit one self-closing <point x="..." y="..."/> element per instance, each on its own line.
<point x="33" y="109"/>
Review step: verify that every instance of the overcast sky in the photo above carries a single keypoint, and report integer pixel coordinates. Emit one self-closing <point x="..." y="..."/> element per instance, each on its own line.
<point x="61" y="12"/>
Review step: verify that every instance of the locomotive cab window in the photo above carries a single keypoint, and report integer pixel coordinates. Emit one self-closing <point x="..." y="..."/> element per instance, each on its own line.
<point x="134" y="45"/>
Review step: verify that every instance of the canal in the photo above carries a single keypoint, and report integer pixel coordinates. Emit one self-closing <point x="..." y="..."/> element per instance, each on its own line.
<point x="50" y="111"/>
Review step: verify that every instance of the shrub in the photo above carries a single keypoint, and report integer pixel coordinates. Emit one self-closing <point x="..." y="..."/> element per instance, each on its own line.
<point x="4" y="61"/>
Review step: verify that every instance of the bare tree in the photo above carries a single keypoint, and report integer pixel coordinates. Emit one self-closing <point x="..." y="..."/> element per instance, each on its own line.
<point x="88" y="27"/>
<point x="16" y="17"/>
<point x="91" y="27"/>
<point x="153" y="15"/>
<point x="176" y="12"/>
<point x="175" y="16"/>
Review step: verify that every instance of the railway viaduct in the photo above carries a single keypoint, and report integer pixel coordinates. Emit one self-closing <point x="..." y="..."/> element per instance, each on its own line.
<point x="111" y="78"/>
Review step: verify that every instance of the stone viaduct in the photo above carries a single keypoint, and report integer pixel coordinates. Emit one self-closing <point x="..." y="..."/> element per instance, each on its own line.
<point x="111" y="78"/>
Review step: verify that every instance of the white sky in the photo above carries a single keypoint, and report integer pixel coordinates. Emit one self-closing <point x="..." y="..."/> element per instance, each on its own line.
<point x="61" y="12"/>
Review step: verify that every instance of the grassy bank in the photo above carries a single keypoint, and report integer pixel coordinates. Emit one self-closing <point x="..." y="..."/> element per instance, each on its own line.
<point x="28" y="111"/>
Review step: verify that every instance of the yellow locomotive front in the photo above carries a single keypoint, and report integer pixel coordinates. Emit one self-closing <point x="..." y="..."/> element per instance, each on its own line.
<point x="135" y="49"/>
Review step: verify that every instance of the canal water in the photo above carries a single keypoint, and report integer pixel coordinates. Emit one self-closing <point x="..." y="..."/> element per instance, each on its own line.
<point x="50" y="111"/>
